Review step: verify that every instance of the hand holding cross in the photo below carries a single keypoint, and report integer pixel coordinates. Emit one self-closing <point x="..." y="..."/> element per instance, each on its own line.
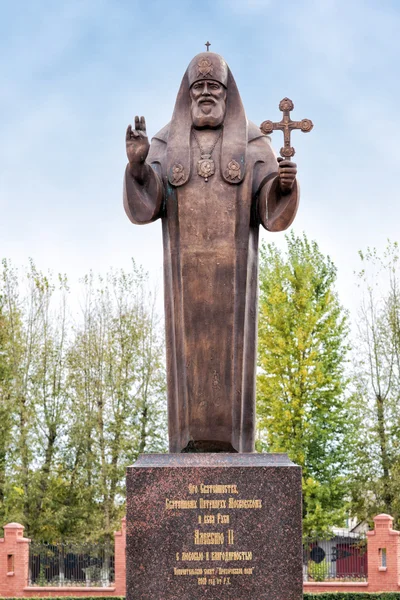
<point x="287" y="169"/>
<point x="286" y="125"/>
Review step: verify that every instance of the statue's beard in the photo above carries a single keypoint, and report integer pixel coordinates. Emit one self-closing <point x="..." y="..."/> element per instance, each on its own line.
<point x="209" y="114"/>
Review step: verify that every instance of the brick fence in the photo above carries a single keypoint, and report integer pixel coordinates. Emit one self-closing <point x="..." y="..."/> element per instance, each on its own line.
<point x="14" y="568"/>
<point x="383" y="563"/>
<point x="383" y="566"/>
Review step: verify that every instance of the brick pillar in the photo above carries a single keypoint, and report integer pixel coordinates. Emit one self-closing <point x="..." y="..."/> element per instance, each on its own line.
<point x="383" y="556"/>
<point x="120" y="560"/>
<point x="14" y="561"/>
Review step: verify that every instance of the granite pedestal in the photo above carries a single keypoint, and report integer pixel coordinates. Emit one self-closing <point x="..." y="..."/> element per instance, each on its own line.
<point x="221" y="526"/>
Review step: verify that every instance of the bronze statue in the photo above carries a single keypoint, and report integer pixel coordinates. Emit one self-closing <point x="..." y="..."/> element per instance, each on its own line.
<point x="212" y="177"/>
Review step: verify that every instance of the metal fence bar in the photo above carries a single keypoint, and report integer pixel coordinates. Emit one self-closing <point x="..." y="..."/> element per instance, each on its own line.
<point x="90" y="565"/>
<point x="341" y="558"/>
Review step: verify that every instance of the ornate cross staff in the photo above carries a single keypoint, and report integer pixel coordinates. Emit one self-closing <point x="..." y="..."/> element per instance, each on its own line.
<point x="208" y="46"/>
<point x="286" y="125"/>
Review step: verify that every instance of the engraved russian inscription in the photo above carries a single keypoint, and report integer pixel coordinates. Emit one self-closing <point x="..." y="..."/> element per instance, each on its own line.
<point x="207" y="538"/>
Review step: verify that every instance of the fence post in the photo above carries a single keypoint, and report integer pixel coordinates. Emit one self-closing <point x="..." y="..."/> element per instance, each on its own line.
<point x="14" y="561"/>
<point x="383" y="556"/>
<point x="120" y="560"/>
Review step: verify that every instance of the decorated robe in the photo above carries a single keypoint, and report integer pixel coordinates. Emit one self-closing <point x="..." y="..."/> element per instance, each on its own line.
<point x="210" y="238"/>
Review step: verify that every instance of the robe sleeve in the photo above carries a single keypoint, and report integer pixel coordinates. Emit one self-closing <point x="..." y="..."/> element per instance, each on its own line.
<point x="274" y="210"/>
<point x="277" y="212"/>
<point x="143" y="202"/>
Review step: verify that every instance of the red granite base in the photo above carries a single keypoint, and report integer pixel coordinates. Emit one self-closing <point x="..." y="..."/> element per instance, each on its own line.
<point x="221" y="526"/>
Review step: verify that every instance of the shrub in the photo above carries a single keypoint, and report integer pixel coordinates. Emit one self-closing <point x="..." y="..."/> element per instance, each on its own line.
<point x="353" y="596"/>
<point x="318" y="571"/>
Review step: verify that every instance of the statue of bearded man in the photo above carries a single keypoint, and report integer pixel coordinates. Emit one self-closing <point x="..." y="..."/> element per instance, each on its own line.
<point x="212" y="177"/>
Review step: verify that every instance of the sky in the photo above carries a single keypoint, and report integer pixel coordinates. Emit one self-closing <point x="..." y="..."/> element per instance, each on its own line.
<point x="74" y="73"/>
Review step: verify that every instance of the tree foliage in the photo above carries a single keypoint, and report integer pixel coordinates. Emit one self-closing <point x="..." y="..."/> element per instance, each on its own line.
<point x="376" y="486"/>
<point x="301" y="400"/>
<point x="81" y="396"/>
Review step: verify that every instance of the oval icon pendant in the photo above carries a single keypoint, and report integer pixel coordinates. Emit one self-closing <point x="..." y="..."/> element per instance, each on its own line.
<point x="205" y="166"/>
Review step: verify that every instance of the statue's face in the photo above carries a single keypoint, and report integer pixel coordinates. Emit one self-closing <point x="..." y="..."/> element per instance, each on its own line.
<point x="208" y="103"/>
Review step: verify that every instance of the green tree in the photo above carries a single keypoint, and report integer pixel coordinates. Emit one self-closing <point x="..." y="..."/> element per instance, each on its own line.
<point x="6" y="409"/>
<point x="117" y="388"/>
<point x="47" y="392"/>
<point x="19" y="343"/>
<point x="301" y="398"/>
<point x="376" y="485"/>
<point x="79" y="398"/>
<point x="35" y="336"/>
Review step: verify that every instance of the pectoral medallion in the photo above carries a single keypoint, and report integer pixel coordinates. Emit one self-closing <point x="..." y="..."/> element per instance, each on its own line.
<point x="205" y="166"/>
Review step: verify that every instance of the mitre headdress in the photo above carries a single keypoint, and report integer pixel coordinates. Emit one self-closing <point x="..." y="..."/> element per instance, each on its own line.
<point x="208" y="65"/>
